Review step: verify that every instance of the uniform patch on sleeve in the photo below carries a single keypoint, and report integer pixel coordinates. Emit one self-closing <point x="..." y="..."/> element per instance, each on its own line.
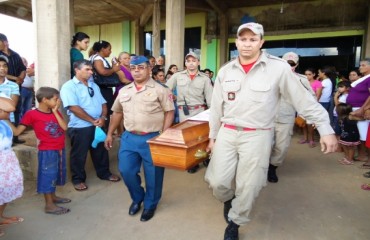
<point x="171" y="97"/>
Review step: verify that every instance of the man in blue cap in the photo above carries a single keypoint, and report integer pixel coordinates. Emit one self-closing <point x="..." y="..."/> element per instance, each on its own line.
<point x="147" y="108"/>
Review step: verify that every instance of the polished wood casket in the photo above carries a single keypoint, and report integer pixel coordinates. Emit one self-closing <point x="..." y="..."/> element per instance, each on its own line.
<point x="181" y="146"/>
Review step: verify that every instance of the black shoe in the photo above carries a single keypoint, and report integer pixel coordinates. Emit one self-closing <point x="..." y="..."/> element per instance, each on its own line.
<point x="271" y="174"/>
<point x="206" y="162"/>
<point x="147" y="214"/>
<point x="232" y="231"/>
<point x="134" y="208"/>
<point x="193" y="169"/>
<point x="227" y="207"/>
<point x="18" y="141"/>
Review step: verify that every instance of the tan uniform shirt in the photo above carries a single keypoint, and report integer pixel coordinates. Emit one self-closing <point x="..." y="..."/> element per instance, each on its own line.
<point x="196" y="92"/>
<point x="251" y="100"/>
<point x="286" y="113"/>
<point x="144" y="110"/>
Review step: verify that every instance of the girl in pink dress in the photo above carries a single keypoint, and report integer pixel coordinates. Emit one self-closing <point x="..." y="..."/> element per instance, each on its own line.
<point x="11" y="178"/>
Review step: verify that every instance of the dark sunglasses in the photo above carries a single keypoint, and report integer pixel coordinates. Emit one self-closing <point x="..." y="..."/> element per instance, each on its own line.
<point x="91" y="91"/>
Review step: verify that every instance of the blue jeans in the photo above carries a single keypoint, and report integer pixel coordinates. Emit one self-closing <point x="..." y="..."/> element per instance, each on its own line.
<point x="51" y="171"/>
<point x="133" y="151"/>
<point x="27" y="96"/>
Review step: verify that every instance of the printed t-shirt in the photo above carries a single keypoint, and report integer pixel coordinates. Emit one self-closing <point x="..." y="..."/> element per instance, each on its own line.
<point x="50" y="135"/>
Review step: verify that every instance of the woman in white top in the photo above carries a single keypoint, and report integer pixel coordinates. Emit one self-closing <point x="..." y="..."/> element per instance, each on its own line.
<point x="102" y="50"/>
<point x="327" y="87"/>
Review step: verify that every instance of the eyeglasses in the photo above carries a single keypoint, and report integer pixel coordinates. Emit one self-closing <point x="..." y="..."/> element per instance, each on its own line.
<point x="139" y="67"/>
<point x="91" y="91"/>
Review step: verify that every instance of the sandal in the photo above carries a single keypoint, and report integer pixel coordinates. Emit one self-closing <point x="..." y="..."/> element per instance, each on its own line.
<point x="365" y="166"/>
<point x="113" y="178"/>
<point x="312" y="144"/>
<point x="361" y="159"/>
<point x="302" y="141"/>
<point x="365" y="186"/>
<point x="62" y="200"/>
<point x="80" y="187"/>
<point x="2" y="233"/>
<point x="367" y="174"/>
<point x="345" y="161"/>
<point x="58" y="211"/>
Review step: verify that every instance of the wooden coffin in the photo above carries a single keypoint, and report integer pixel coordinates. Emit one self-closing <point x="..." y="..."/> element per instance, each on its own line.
<point x="182" y="146"/>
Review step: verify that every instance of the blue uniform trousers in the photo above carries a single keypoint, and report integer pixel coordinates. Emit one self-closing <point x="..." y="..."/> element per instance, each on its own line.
<point x="133" y="151"/>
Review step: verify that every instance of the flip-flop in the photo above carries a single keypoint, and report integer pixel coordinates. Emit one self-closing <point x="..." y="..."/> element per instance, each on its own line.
<point x="367" y="174"/>
<point x="11" y="220"/>
<point x="365" y="166"/>
<point x="365" y="187"/>
<point x="345" y="161"/>
<point x="113" y="178"/>
<point x="62" y="200"/>
<point x="360" y="160"/>
<point x="80" y="187"/>
<point x="58" y="211"/>
<point x="302" y="141"/>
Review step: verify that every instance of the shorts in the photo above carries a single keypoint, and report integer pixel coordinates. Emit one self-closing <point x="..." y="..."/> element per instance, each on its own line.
<point x="52" y="170"/>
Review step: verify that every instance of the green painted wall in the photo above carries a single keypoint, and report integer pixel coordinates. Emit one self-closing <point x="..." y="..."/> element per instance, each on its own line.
<point x="126" y="36"/>
<point x="212" y="55"/>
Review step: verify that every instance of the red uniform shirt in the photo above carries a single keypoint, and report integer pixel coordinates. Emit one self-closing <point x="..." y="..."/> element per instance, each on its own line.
<point x="50" y="135"/>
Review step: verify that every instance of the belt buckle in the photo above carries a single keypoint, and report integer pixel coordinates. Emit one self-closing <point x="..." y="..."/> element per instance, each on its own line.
<point x="239" y="128"/>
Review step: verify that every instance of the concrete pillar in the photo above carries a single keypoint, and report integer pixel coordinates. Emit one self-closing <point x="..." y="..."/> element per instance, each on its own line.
<point x="224" y="35"/>
<point x="156" y="29"/>
<point x="139" y="38"/>
<point x="52" y="22"/>
<point x="366" y="44"/>
<point x="175" y="17"/>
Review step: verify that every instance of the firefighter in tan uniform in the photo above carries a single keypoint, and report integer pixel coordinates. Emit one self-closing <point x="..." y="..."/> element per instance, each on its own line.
<point x="194" y="90"/>
<point x="243" y="109"/>
<point x="284" y="122"/>
<point x="147" y="108"/>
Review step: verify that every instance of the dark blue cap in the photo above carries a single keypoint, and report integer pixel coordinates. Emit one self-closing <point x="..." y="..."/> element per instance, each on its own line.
<point x="138" y="60"/>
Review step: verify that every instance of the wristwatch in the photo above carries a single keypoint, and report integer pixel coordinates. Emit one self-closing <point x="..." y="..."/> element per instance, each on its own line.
<point x="104" y="117"/>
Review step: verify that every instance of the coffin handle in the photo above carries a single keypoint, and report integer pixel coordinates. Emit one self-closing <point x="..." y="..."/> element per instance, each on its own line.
<point x="200" y="154"/>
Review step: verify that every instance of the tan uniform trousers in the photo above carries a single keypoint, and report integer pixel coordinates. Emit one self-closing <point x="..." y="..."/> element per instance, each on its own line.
<point x="282" y="136"/>
<point x="192" y="112"/>
<point x="240" y="159"/>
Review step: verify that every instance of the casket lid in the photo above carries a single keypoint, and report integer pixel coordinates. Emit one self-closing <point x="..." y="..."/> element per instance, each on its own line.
<point x="184" y="133"/>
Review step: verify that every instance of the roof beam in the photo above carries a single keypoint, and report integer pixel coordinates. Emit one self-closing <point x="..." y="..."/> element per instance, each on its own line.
<point x="121" y="7"/>
<point x="146" y="15"/>
<point x="219" y="6"/>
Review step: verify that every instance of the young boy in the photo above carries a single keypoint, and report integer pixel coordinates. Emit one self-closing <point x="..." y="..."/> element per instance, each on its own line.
<point x="49" y="128"/>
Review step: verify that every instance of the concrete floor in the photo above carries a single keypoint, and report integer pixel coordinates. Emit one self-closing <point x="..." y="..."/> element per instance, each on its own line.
<point x="315" y="199"/>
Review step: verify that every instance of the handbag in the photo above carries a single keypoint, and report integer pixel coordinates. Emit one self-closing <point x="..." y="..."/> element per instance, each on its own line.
<point x="300" y="122"/>
<point x="105" y="81"/>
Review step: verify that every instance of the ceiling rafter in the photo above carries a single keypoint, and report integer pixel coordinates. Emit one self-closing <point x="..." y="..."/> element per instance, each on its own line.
<point x="118" y="5"/>
<point x="219" y="6"/>
<point x="146" y="14"/>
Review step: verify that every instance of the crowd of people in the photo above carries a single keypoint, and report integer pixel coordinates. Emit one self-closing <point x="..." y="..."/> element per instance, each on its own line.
<point x="137" y="98"/>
